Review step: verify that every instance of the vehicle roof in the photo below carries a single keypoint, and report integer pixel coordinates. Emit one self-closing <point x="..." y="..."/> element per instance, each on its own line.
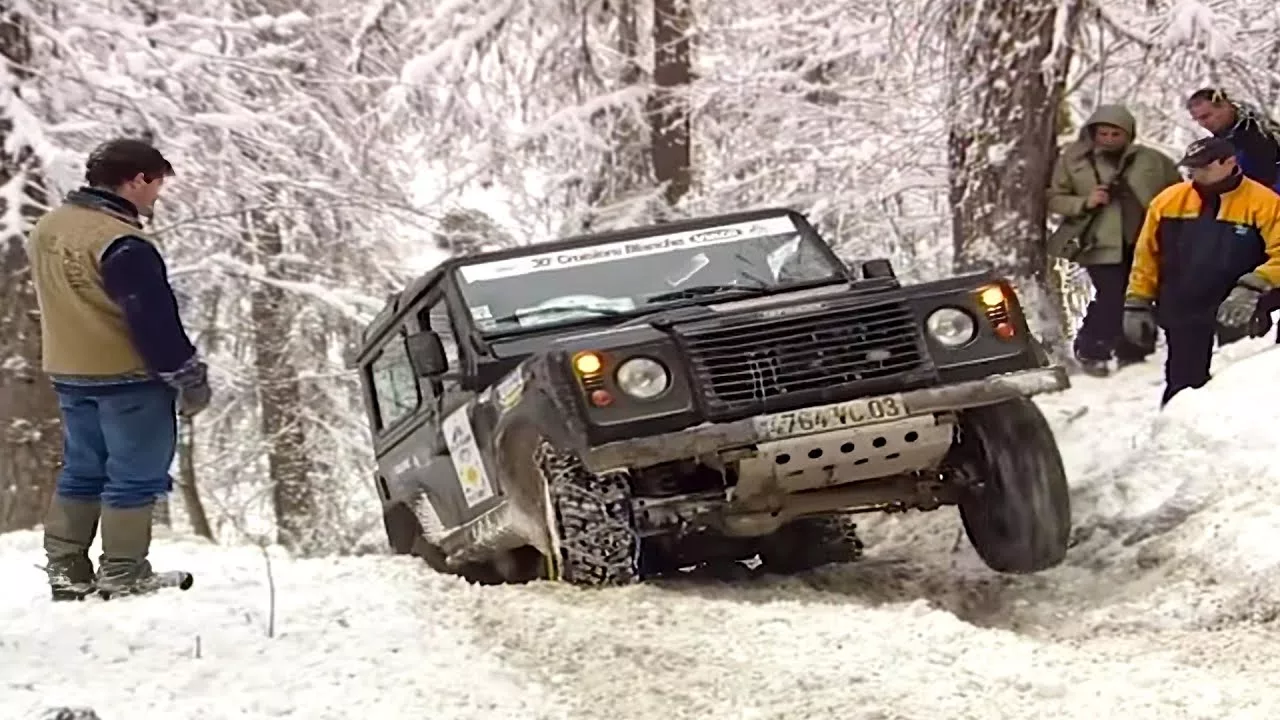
<point x="424" y="282"/>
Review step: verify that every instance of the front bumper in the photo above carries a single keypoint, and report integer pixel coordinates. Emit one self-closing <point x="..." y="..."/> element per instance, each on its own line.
<point x="709" y="438"/>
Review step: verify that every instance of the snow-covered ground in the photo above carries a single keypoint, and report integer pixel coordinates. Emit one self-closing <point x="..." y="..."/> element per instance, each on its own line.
<point x="1164" y="610"/>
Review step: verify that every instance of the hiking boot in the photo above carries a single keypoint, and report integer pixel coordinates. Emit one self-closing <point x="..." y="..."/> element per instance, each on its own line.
<point x="1094" y="359"/>
<point x="123" y="568"/>
<point x="1124" y="361"/>
<point x="1096" y="368"/>
<point x="69" y="527"/>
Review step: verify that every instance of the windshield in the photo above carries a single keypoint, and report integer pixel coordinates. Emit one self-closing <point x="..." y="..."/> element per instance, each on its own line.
<point x="642" y="274"/>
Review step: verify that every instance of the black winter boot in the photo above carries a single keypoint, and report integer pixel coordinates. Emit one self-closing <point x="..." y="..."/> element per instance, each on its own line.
<point x="123" y="568"/>
<point x="69" y="528"/>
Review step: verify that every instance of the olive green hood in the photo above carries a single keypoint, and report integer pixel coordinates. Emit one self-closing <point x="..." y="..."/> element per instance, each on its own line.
<point x="1117" y="115"/>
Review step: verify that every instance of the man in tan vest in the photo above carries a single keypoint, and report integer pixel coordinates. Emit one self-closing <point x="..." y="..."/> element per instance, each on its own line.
<point x="121" y="364"/>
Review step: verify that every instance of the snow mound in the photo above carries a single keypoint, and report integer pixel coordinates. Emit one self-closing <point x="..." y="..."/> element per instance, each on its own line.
<point x="1197" y="502"/>
<point x="345" y="637"/>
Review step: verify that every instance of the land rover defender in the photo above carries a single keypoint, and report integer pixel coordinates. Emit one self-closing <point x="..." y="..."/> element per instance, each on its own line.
<point x="618" y="406"/>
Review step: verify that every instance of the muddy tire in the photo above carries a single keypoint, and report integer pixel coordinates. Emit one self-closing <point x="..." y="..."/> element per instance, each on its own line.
<point x="809" y="543"/>
<point x="595" y="525"/>
<point x="1017" y="511"/>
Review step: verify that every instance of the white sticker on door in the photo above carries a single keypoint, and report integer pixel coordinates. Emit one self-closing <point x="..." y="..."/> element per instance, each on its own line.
<point x="464" y="451"/>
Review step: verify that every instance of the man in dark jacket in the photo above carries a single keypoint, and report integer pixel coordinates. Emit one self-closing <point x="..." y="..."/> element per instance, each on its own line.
<point x="1208" y="251"/>
<point x="119" y="358"/>
<point x="1101" y="185"/>
<point x="1255" y="137"/>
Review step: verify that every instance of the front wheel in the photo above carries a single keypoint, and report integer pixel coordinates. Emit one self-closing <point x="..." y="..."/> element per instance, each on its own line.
<point x="594" y="522"/>
<point x="1016" y="507"/>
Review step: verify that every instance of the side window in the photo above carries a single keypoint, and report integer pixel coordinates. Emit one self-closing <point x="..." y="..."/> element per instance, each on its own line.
<point x="438" y="320"/>
<point x="395" y="386"/>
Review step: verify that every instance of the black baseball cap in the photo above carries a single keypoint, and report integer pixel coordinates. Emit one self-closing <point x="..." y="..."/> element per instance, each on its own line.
<point x="1207" y="150"/>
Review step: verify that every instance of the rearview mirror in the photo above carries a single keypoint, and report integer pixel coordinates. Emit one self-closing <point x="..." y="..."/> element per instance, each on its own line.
<point x="426" y="354"/>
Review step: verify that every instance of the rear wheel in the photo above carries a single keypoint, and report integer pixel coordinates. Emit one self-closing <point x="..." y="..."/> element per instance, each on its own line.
<point x="1016" y="508"/>
<point x="405" y="535"/>
<point x="811" y="542"/>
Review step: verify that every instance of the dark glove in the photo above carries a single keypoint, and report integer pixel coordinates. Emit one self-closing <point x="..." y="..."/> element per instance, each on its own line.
<point x="192" y="383"/>
<point x="1140" y="323"/>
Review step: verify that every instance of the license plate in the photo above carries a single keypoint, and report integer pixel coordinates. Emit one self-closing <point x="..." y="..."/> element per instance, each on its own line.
<point x="865" y="411"/>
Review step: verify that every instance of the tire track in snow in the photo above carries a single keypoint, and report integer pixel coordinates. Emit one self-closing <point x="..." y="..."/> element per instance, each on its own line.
<point x="922" y="629"/>
<point x="784" y="650"/>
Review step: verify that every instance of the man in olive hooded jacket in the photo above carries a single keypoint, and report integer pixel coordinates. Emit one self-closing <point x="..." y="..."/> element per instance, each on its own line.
<point x="1102" y="184"/>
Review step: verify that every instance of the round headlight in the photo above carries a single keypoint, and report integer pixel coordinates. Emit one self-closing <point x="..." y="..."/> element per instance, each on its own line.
<point x="951" y="327"/>
<point x="643" y="378"/>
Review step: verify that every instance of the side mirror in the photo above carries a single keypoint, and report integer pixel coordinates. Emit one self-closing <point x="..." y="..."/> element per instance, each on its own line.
<point x="877" y="268"/>
<point x="426" y="354"/>
<point x="349" y="354"/>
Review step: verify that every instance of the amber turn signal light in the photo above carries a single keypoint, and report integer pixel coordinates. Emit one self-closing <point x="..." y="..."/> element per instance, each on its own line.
<point x="587" y="363"/>
<point x="991" y="297"/>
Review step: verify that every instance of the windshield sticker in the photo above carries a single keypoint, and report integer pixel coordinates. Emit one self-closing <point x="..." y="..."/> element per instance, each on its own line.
<point x="696" y="263"/>
<point x="779" y="257"/>
<point x="654" y="245"/>
<point x="481" y="312"/>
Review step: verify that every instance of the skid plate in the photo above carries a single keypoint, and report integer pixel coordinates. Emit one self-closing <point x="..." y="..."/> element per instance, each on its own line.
<point x="846" y="455"/>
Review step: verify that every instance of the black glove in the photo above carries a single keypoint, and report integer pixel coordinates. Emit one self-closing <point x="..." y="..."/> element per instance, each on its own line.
<point x="192" y="382"/>
<point x="1140" y="323"/>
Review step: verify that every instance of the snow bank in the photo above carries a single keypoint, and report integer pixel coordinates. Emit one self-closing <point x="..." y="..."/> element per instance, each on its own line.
<point x="1195" y="504"/>
<point x="354" y="637"/>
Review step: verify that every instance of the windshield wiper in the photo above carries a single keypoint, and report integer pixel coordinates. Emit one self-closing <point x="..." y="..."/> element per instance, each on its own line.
<point x="549" y="309"/>
<point x="758" y="286"/>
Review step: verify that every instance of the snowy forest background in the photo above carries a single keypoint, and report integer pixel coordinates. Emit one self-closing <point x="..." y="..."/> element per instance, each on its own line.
<point x="329" y="151"/>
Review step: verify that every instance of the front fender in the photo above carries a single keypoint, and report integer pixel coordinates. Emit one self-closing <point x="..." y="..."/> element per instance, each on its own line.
<point x="536" y="397"/>
<point x="521" y="409"/>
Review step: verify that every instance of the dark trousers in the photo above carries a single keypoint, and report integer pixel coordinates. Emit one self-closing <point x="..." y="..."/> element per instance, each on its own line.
<point x="118" y="442"/>
<point x="1102" y="332"/>
<point x="1186" y="364"/>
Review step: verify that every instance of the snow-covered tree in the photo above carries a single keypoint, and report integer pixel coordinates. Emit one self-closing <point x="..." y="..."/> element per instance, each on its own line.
<point x="1008" y="63"/>
<point x="30" y="435"/>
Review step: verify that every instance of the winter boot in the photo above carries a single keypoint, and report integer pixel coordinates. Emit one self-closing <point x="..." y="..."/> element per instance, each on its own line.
<point x="69" y="528"/>
<point x="123" y="568"/>
<point x="1092" y="360"/>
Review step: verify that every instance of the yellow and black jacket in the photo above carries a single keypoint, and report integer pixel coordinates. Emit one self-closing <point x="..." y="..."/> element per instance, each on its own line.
<point x="1197" y="243"/>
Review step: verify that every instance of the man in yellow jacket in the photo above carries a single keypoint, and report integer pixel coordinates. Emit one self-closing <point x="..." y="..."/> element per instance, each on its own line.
<point x="121" y="364"/>
<point x="1208" y="251"/>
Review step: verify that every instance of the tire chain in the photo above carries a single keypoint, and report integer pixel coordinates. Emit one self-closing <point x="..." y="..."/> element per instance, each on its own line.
<point x="816" y="542"/>
<point x="839" y="536"/>
<point x="598" y="541"/>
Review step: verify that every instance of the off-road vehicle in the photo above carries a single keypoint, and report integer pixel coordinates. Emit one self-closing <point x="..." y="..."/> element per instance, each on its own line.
<point x="618" y="406"/>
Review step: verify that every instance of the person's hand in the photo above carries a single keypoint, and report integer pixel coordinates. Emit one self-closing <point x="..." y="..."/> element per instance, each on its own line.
<point x="1140" y="323"/>
<point x="1099" y="197"/>
<point x="192" y="400"/>
<point x="192" y="383"/>
<point x="1238" y="310"/>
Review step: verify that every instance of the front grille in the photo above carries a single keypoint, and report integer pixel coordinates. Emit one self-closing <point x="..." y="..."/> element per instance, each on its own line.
<point x="769" y="364"/>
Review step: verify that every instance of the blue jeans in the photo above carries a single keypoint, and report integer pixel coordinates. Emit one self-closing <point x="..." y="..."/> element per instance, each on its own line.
<point x="119" y="441"/>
